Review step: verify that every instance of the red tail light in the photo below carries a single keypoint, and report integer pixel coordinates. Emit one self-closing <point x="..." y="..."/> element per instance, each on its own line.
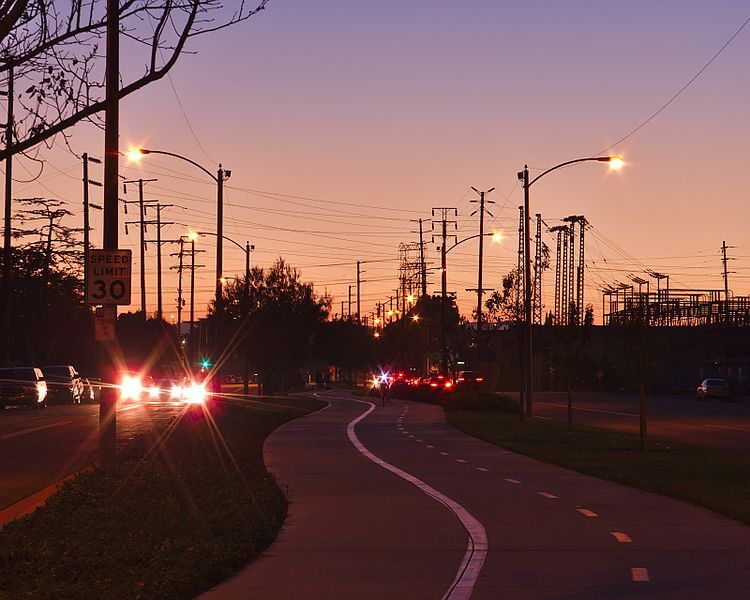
<point x="480" y="379"/>
<point x="461" y="379"/>
<point x="433" y="384"/>
<point x="448" y="384"/>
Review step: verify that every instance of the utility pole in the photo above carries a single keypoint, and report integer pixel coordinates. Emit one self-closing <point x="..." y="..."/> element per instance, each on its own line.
<point x="159" y="243"/>
<point x="142" y="236"/>
<point x="349" y="313"/>
<point x="86" y="205"/>
<point x="358" y="291"/>
<point x="108" y="404"/>
<point x="7" y="249"/>
<point x="421" y="260"/>
<point x="725" y="261"/>
<point x="192" y="302"/>
<point x="246" y="355"/>
<point x="524" y="176"/>
<point x="179" y="291"/>
<point x="444" y="222"/>
<point x="221" y="176"/>
<point x="480" y="290"/>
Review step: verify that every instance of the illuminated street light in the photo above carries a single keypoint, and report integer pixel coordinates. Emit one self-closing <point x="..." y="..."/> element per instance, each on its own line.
<point x="410" y="298"/>
<point x="193" y="235"/>
<point x="377" y="334"/>
<point x="497" y="236"/>
<point x="615" y="163"/>
<point x="415" y="318"/>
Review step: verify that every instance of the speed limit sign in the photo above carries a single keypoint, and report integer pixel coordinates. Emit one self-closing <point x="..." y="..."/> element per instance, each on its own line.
<point x="108" y="277"/>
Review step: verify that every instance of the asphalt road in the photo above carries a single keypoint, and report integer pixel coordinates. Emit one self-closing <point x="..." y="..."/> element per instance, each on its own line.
<point x="711" y="423"/>
<point x="395" y="503"/>
<point x="39" y="448"/>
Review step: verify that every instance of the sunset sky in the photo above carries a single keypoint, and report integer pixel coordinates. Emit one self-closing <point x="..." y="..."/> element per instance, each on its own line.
<point x="343" y="121"/>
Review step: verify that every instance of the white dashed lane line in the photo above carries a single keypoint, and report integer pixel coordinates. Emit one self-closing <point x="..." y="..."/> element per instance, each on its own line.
<point x="548" y="495"/>
<point x="621" y="537"/>
<point x="428" y="446"/>
<point x="512" y="480"/>
<point x="483" y="470"/>
<point x="587" y="512"/>
<point x="639" y="574"/>
<point x="445" y="453"/>
<point x="460" y="460"/>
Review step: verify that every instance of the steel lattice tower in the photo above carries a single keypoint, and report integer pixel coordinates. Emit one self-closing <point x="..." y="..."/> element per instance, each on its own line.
<point x="520" y="288"/>
<point x="562" y="236"/>
<point x="537" y="305"/>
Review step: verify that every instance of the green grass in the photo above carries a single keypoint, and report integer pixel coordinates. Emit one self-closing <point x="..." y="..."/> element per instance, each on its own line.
<point x="160" y="524"/>
<point x="707" y="477"/>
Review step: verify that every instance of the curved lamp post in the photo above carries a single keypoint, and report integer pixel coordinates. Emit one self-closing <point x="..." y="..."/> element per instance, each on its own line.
<point x="221" y="176"/>
<point x="247" y="249"/>
<point x="496" y="236"/>
<point x="615" y="163"/>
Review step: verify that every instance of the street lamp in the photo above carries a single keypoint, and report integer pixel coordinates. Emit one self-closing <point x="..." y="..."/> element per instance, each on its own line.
<point x="135" y="154"/>
<point x="615" y="164"/>
<point x="496" y="237"/>
<point x="247" y="249"/>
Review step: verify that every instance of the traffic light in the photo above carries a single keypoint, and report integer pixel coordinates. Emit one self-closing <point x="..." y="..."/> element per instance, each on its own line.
<point x="205" y="363"/>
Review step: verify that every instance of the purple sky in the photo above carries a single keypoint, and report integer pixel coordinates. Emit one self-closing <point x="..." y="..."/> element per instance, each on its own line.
<point x="341" y="121"/>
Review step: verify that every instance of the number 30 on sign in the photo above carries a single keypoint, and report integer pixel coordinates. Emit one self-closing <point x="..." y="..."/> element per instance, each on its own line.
<point x="108" y="277"/>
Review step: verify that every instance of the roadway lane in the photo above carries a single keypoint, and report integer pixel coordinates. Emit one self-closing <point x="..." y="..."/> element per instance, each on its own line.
<point x="724" y="425"/>
<point x="39" y="448"/>
<point x="551" y="533"/>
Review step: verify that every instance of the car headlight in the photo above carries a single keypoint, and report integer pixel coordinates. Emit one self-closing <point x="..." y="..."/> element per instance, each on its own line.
<point x="195" y="394"/>
<point x="130" y="387"/>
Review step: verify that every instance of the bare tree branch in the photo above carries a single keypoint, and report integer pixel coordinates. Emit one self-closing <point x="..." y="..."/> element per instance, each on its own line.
<point x="54" y="47"/>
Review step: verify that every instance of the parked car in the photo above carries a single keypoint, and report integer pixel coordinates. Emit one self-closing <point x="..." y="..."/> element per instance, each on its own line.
<point x="469" y="380"/>
<point x="714" y="388"/>
<point x="64" y="384"/>
<point x="22" y="386"/>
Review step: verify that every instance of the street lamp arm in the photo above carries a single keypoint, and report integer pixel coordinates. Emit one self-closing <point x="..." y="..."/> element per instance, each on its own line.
<point x="185" y="158"/>
<point x="570" y="162"/>
<point x="471" y="237"/>
<point x="240" y="246"/>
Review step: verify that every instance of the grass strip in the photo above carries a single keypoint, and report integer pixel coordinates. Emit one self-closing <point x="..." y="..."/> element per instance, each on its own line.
<point x="179" y="513"/>
<point x="707" y="477"/>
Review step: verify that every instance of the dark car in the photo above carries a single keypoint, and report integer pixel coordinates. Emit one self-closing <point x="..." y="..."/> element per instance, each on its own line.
<point x="469" y="380"/>
<point x="22" y="386"/>
<point x="64" y="384"/>
<point x="437" y="383"/>
<point x="714" y="388"/>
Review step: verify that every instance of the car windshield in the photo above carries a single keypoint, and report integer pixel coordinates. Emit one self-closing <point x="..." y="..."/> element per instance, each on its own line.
<point x="17" y="374"/>
<point x="715" y="382"/>
<point x="57" y="371"/>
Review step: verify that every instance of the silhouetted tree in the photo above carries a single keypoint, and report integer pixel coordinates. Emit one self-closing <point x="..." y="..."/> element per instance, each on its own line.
<point x="57" y="49"/>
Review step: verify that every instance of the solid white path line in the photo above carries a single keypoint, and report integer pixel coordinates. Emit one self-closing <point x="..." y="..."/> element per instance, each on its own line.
<point x="586" y="512"/>
<point x="621" y="537"/>
<point x="476" y="551"/>
<point x="639" y="574"/>
<point x="8" y="436"/>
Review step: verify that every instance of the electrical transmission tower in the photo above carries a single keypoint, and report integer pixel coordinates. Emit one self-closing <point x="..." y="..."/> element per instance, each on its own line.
<point x="521" y="262"/>
<point x="562" y="243"/>
<point x="537" y="306"/>
<point x="577" y="273"/>
<point x="410" y="271"/>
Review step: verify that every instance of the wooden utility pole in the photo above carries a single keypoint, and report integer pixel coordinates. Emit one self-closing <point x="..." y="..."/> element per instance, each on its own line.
<point x="5" y="304"/>
<point x="108" y="404"/>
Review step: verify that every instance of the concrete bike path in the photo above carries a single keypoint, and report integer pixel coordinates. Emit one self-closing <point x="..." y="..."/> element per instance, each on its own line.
<point x="354" y="529"/>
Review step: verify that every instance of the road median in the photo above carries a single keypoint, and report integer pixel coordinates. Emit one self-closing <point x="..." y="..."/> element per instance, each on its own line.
<point x="182" y="510"/>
